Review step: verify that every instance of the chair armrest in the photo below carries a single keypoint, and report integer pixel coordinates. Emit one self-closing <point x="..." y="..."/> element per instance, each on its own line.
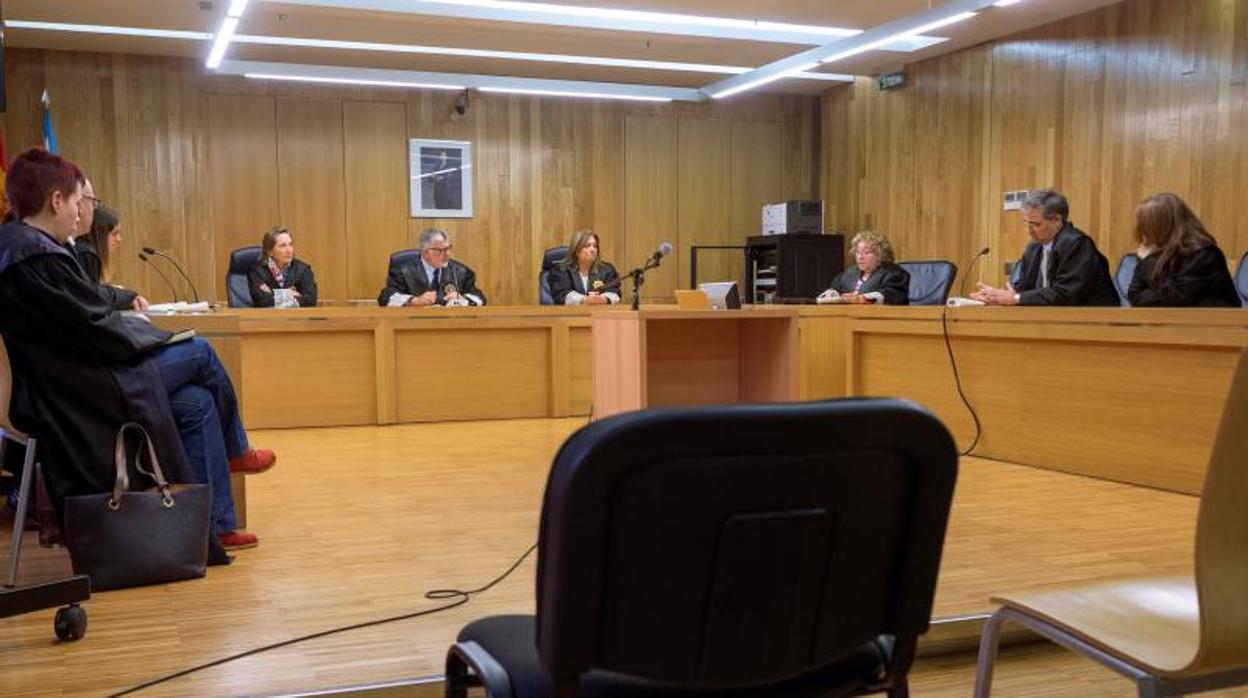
<point x="463" y="657"/>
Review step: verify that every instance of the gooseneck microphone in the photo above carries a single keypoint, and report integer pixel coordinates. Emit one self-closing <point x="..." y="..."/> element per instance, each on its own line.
<point x="638" y="275"/>
<point x="168" y="283"/>
<point x="174" y="262"/>
<point x="966" y="277"/>
<point x="664" y="250"/>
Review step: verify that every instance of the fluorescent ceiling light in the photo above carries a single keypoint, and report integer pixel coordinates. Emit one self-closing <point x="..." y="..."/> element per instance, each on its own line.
<point x="106" y="29"/>
<point x="562" y="93"/>
<point x="353" y="81"/>
<point x="236" y="8"/>
<point x="760" y="81"/>
<point x="888" y="39"/>
<point x="221" y="41"/>
<point x="1005" y="3"/>
<point x="611" y="19"/>
<point x="516" y="56"/>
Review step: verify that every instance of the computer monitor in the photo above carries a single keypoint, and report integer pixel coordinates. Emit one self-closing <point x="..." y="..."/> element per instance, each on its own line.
<point x="723" y="294"/>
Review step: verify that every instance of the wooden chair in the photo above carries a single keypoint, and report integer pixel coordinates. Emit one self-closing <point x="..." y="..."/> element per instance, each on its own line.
<point x="1171" y="635"/>
<point x="71" y="621"/>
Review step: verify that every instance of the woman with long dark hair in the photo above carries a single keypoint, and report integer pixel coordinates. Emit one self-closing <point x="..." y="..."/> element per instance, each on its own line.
<point x="94" y="252"/>
<point x="1180" y="262"/>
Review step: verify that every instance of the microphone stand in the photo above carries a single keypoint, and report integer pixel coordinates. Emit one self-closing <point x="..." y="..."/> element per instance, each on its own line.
<point x="174" y="262"/>
<point x="168" y="283"/>
<point x="638" y="276"/>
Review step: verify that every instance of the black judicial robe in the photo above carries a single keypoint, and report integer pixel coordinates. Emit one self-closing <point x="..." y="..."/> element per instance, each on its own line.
<point x="89" y="259"/>
<point x="565" y="278"/>
<point x="1078" y="272"/>
<point x="297" y="276"/>
<point x="79" y="368"/>
<point x="1197" y="278"/>
<point x="890" y="280"/>
<point x="409" y="277"/>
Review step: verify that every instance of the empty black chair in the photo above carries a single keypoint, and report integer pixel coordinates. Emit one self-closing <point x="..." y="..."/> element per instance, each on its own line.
<point x="242" y="261"/>
<point x="1241" y="279"/>
<point x="549" y="259"/>
<point x="1124" y="274"/>
<point x="930" y="281"/>
<point x="774" y="550"/>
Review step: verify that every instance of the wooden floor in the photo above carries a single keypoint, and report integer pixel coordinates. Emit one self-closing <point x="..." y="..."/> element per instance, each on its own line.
<point x="356" y="523"/>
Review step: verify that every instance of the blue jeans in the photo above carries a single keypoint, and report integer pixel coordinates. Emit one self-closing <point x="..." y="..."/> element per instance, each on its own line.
<point x="206" y="411"/>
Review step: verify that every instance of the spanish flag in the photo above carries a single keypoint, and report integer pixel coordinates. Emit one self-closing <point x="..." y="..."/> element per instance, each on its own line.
<point x="4" y="173"/>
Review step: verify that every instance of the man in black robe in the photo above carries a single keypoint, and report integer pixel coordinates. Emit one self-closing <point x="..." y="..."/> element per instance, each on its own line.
<point x="433" y="278"/>
<point x="1061" y="265"/>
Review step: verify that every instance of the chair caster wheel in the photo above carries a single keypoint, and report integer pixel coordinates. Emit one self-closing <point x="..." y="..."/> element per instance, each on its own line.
<point x="71" y="622"/>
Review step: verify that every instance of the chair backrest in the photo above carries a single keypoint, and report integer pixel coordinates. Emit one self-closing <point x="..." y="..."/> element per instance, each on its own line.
<point x="1222" y="537"/>
<point x="549" y="259"/>
<point x="741" y="544"/>
<point x="930" y="281"/>
<point x="242" y="261"/>
<point x="1124" y="274"/>
<point x="1241" y="279"/>
<point x="1016" y="273"/>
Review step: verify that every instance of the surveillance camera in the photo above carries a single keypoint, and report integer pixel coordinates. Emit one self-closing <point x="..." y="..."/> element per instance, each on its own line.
<point x="460" y="108"/>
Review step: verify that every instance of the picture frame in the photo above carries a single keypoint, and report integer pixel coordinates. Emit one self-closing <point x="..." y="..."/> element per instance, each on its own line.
<point x="441" y="178"/>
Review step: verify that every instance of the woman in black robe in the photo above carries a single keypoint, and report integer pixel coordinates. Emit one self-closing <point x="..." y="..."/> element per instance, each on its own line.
<point x="278" y="273"/>
<point x="1180" y="262"/>
<point x="94" y="252"/>
<point x="80" y="370"/>
<point x="873" y="277"/>
<point x="581" y="277"/>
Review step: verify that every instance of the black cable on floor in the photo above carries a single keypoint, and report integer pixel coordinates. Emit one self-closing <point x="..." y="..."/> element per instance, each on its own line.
<point x="957" y="381"/>
<point x="461" y="597"/>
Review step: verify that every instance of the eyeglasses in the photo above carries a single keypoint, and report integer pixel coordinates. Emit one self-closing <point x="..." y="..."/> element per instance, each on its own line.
<point x="96" y="204"/>
<point x="441" y="250"/>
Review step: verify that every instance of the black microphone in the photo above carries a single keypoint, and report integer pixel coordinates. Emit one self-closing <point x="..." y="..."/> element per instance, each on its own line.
<point x="168" y="283"/>
<point x="969" y="267"/>
<point x="177" y="266"/>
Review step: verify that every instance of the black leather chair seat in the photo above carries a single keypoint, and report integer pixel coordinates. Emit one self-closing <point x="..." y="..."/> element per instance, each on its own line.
<point x="510" y="640"/>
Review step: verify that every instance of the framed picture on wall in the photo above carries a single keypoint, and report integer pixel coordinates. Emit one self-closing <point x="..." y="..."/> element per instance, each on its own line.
<point x="441" y="173"/>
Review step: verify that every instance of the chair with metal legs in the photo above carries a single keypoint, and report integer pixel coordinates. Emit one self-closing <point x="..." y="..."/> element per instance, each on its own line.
<point x="1171" y="635"/>
<point x="71" y="620"/>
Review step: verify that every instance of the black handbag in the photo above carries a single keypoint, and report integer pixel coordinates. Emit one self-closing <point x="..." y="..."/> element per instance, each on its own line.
<point x="124" y="539"/>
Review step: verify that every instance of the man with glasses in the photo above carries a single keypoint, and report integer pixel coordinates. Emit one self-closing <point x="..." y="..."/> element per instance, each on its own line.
<point x="1061" y="265"/>
<point x="433" y="279"/>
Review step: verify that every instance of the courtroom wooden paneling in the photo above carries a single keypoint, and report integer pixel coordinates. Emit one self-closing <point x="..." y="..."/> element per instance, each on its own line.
<point x="201" y="164"/>
<point x="309" y="379"/>
<point x="1110" y="107"/>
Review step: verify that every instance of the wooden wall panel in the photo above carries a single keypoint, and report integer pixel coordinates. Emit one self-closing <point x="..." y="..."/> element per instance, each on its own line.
<point x="1110" y="107"/>
<point x="312" y="187"/>
<point x="242" y="170"/>
<point x="374" y="160"/>
<point x="650" y="200"/>
<point x="705" y="188"/>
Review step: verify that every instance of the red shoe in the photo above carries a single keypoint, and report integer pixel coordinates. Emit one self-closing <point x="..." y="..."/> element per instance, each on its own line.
<point x="253" y="461"/>
<point x="238" y="540"/>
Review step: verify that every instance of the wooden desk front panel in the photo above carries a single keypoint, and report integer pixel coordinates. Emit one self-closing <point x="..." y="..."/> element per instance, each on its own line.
<point x="467" y="373"/>
<point x="1096" y="400"/>
<point x="694" y="362"/>
<point x="309" y="379"/>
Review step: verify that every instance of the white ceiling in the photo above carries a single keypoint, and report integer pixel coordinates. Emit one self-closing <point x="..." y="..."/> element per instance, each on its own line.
<point x="564" y="42"/>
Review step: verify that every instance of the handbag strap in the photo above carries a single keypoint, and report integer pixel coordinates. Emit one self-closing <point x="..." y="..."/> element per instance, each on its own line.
<point x="122" y="482"/>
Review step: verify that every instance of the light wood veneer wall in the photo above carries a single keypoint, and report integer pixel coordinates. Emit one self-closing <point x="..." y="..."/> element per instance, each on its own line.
<point x="1110" y="106"/>
<point x="203" y="164"/>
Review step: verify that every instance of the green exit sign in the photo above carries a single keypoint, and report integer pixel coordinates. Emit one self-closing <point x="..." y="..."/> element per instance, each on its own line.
<point x="893" y="81"/>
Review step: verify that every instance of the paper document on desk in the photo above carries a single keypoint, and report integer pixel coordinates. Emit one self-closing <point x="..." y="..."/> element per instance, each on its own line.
<point x="179" y="307"/>
<point x="958" y="301"/>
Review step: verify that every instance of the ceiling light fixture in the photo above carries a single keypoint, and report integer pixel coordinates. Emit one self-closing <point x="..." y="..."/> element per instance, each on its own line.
<point x="354" y="81"/>
<point x="221" y="39"/>
<point x="571" y="93"/>
<point x="872" y="45"/>
<point x="106" y="29"/>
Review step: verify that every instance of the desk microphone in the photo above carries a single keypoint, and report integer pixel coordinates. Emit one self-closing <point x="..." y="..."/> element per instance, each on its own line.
<point x="174" y="262"/>
<point x="664" y="250"/>
<point x="168" y="283"/>
<point x="969" y="267"/>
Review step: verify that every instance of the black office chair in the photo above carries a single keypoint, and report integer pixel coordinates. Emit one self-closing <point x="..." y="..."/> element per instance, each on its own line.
<point x="930" y="281"/>
<point x="549" y="258"/>
<point x="242" y="261"/>
<point x="744" y="550"/>
<point x="1241" y="279"/>
<point x="1016" y="273"/>
<point x="1124" y="274"/>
